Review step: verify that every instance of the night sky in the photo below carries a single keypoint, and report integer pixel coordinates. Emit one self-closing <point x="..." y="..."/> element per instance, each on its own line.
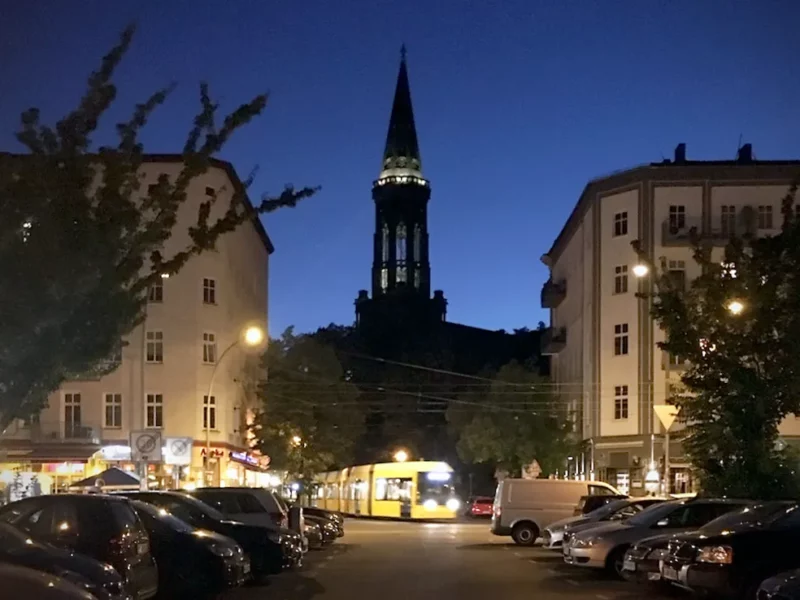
<point x="518" y="103"/>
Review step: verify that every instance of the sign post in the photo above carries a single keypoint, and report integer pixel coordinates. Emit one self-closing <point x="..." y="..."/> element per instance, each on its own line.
<point x="145" y="448"/>
<point x="667" y="413"/>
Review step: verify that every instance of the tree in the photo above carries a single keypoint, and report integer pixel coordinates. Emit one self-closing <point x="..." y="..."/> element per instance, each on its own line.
<point x="80" y="243"/>
<point x="738" y="326"/>
<point x="511" y="421"/>
<point x="311" y="419"/>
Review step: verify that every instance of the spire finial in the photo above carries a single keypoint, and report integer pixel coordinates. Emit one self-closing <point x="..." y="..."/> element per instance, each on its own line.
<point x="403" y="52"/>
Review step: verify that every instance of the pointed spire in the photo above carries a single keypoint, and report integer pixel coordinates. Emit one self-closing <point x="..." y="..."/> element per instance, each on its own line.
<point x="402" y="148"/>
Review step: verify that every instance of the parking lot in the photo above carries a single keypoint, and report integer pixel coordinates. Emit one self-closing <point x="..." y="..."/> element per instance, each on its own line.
<point x="388" y="560"/>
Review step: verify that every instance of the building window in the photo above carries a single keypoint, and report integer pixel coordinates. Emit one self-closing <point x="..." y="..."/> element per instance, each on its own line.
<point x="385" y="243"/>
<point x="400" y="241"/>
<point x="72" y="415"/>
<point x="765" y="216"/>
<point x="113" y="409"/>
<point x="417" y="278"/>
<point x="621" y="339"/>
<point x="156" y="292"/>
<point x="728" y="219"/>
<point x="417" y="242"/>
<point x="209" y="291"/>
<point x="620" y="402"/>
<point x="676" y="270"/>
<point x="154" y="411"/>
<point x="620" y="224"/>
<point x="401" y="275"/>
<point x="155" y="347"/>
<point x="384" y="279"/>
<point x="621" y="279"/>
<point x="151" y="189"/>
<point x="209" y="412"/>
<point x="209" y="348"/>
<point x="677" y="218"/>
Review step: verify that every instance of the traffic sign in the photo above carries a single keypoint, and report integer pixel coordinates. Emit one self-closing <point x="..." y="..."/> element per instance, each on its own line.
<point x="178" y="451"/>
<point x="667" y="413"/>
<point x="146" y="446"/>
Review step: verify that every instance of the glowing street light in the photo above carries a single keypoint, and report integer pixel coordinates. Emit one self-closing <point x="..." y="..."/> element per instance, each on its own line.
<point x="640" y="270"/>
<point x="297" y="440"/>
<point x="735" y="307"/>
<point x="401" y="456"/>
<point x="253" y="336"/>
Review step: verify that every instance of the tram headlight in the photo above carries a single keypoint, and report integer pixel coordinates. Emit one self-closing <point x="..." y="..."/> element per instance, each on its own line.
<point x="453" y="504"/>
<point x="430" y="504"/>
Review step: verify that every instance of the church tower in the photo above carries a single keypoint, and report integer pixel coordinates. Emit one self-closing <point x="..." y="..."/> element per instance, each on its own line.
<point x="401" y="272"/>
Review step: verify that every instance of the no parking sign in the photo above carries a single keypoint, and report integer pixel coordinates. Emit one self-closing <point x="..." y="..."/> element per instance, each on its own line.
<point x="146" y="446"/>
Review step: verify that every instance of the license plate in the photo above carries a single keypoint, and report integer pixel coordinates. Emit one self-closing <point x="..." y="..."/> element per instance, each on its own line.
<point x="628" y="565"/>
<point x="566" y="551"/>
<point x="142" y="548"/>
<point x="670" y="573"/>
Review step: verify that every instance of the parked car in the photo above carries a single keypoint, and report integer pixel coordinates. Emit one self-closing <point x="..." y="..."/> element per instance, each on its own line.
<point x="591" y="503"/>
<point x="99" y="579"/>
<point x="257" y="506"/>
<point x="21" y="582"/>
<point x="270" y="550"/>
<point x="105" y="528"/>
<point x="616" y="510"/>
<point x="524" y="507"/>
<point x="643" y="560"/>
<point x="312" y="511"/>
<point x="604" y="547"/>
<point x="328" y="530"/>
<point x="784" y="586"/>
<point x="193" y="563"/>
<point x="732" y="558"/>
<point x="313" y="534"/>
<point x="480" y="506"/>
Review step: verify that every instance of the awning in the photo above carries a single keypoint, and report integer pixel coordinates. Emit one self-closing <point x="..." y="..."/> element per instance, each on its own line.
<point x="49" y="454"/>
<point x="110" y="478"/>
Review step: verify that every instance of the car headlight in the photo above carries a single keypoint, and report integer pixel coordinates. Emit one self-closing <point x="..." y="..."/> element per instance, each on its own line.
<point x="221" y="550"/>
<point x="430" y="505"/>
<point x="658" y="554"/>
<point x="717" y="555"/>
<point x="274" y="537"/>
<point x="453" y="504"/>
<point x="584" y="542"/>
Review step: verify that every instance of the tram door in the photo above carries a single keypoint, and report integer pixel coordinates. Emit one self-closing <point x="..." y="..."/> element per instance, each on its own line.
<point x="357" y="497"/>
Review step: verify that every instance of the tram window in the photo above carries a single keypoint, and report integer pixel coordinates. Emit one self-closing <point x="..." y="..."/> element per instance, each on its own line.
<point x="393" y="489"/>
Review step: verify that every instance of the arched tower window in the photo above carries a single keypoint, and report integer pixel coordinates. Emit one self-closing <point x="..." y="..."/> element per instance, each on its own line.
<point x="400" y="241"/>
<point x="385" y="243"/>
<point x="417" y="243"/>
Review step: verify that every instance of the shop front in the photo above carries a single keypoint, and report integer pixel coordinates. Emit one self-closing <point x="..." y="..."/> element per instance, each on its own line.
<point x="229" y="467"/>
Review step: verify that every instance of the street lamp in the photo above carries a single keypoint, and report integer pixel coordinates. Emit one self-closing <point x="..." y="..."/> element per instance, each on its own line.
<point x="401" y="456"/>
<point x="641" y="270"/>
<point x="297" y="440"/>
<point x="252" y="337"/>
<point x="735" y="307"/>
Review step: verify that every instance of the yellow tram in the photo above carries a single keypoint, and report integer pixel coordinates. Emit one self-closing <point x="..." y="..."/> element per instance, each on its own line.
<point x="402" y="490"/>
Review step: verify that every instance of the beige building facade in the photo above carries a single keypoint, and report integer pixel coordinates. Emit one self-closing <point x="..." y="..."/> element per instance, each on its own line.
<point x="602" y="340"/>
<point x="162" y="381"/>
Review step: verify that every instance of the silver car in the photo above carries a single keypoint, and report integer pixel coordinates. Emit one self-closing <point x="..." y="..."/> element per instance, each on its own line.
<point x="617" y="510"/>
<point x="604" y="546"/>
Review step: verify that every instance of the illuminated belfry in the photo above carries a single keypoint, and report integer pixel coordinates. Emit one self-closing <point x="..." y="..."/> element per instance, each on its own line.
<point x="400" y="265"/>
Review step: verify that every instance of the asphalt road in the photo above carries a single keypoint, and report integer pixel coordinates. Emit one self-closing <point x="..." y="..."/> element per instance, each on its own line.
<point x="381" y="560"/>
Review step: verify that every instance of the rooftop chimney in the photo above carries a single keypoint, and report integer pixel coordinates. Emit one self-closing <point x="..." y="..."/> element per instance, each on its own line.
<point x="680" y="153"/>
<point x="745" y="153"/>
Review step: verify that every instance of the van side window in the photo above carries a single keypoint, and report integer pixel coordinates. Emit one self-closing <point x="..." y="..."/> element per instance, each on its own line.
<point x="599" y="490"/>
<point x="225" y="503"/>
<point x="249" y="504"/>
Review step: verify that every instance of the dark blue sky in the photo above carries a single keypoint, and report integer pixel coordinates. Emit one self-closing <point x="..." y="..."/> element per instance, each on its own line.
<point x="518" y="103"/>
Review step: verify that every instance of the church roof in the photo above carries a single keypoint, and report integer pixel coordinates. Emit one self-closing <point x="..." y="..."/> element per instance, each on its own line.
<point x="401" y="155"/>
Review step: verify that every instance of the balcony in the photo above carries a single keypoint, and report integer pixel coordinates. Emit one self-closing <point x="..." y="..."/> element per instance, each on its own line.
<point x="553" y="340"/>
<point x="44" y="432"/>
<point x="673" y="363"/>
<point x="679" y="233"/>
<point x="553" y="293"/>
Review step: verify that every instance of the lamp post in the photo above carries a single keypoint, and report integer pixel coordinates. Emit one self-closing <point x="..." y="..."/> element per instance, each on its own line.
<point x="401" y="456"/>
<point x="252" y="337"/>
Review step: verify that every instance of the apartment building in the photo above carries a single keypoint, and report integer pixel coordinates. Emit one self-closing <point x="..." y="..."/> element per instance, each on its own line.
<point x="601" y="339"/>
<point x="162" y="379"/>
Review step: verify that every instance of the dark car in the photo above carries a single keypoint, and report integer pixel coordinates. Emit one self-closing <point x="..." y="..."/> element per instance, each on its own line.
<point x="587" y="504"/>
<point x="733" y="557"/>
<point x="192" y="562"/>
<point x="99" y="579"/>
<point x="270" y="551"/>
<point x="22" y="582"/>
<point x="785" y="586"/>
<point x="105" y="528"/>
<point x="312" y="511"/>
<point x="328" y="530"/>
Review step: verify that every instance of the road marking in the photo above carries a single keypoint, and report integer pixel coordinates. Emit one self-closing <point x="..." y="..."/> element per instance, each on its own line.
<point x="329" y="557"/>
<point x="601" y="597"/>
<point x="573" y="582"/>
<point x="553" y="572"/>
<point x="518" y="554"/>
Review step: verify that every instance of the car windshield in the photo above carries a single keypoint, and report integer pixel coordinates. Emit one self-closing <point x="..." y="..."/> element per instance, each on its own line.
<point x="607" y="509"/>
<point x="749" y="516"/>
<point x="161" y="515"/>
<point x="653" y="514"/>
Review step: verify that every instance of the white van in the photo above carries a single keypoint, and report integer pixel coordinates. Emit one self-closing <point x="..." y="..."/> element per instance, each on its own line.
<point x="524" y="507"/>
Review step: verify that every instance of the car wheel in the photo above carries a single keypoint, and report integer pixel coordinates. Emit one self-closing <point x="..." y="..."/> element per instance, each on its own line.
<point x="525" y="534"/>
<point x="615" y="560"/>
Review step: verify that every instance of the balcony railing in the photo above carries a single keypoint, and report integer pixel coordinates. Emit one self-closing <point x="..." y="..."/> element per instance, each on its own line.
<point x="678" y="232"/>
<point x="675" y="363"/>
<point x="554" y="339"/>
<point x="54" y="431"/>
<point x="553" y="293"/>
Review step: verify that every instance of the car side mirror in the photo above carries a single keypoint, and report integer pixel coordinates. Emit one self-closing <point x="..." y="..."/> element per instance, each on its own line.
<point x="662" y="523"/>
